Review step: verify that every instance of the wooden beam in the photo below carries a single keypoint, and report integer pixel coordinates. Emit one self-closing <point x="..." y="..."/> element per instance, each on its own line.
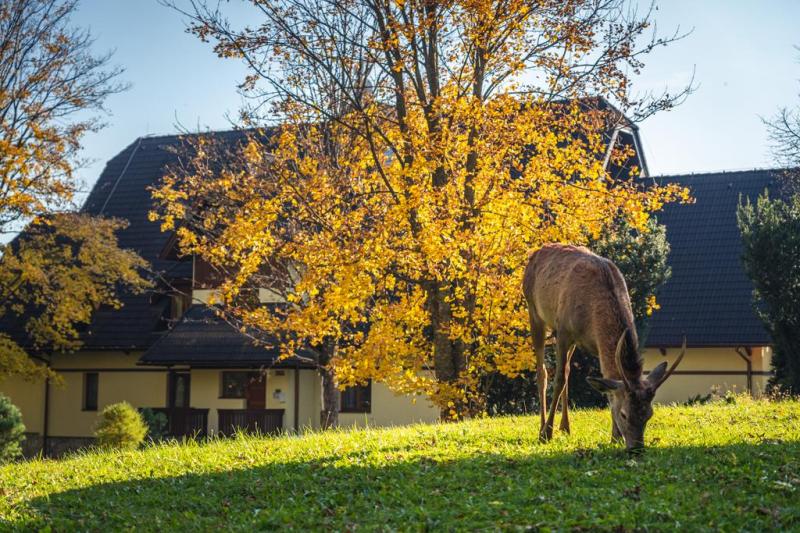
<point x="746" y="353"/>
<point x="45" y="435"/>
<point x="297" y="398"/>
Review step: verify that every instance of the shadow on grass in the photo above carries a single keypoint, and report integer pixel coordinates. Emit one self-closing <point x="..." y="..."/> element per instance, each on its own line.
<point x="742" y="486"/>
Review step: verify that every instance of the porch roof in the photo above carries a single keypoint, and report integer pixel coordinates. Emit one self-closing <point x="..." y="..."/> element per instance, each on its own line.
<point x="202" y="339"/>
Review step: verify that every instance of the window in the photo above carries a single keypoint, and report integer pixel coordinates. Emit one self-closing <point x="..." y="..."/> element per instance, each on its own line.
<point x="234" y="384"/>
<point x="179" y="389"/>
<point x="178" y="304"/>
<point x="90" y="391"/>
<point x="357" y="399"/>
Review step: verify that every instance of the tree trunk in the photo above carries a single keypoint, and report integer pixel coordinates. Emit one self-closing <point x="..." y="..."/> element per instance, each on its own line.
<point x="448" y="357"/>
<point x="329" y="416"/>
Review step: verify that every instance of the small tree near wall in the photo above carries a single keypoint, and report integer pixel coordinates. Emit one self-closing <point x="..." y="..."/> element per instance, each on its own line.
<point x="771" y="239"/>
<point x="120" y="426"/>
<point x="12" y="431"/>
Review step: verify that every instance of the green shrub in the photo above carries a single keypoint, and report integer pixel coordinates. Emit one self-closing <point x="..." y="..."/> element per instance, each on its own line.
<point x="12" y="431"/>
<point x="120" y="426"/>
<point x="699" y="399"/>
<point x="157" y="423"/>
<point x="730" y="397"/>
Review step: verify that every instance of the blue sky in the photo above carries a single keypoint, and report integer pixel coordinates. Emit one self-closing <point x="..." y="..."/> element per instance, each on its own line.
<point x="741" y="51"/>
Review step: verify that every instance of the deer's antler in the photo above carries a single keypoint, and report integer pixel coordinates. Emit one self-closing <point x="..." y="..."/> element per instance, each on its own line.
<point x="658" y="376"/>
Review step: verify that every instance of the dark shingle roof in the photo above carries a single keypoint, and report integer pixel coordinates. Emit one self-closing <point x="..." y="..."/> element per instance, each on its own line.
<point x="709" y="297"/>
<point x="201" y="339"/>
<point x="122" y="191"/>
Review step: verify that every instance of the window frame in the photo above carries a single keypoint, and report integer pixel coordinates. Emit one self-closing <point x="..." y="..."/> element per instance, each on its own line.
<point x="249" y="375"/>
<point x="179" y="303"/>
<point x="363" y="401"/>
<point x="85" y="404"/>
<point x="172" y="384"/>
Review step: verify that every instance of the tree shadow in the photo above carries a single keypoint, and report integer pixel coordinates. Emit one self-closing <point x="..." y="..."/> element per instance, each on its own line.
<point x="735" y="487"/>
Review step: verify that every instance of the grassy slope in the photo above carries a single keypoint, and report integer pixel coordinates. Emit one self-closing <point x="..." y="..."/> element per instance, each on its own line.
<point x="719" y="466"/>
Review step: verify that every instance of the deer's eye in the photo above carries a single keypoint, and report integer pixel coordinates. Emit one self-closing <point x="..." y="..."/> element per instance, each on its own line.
<point x="623" y="415"/>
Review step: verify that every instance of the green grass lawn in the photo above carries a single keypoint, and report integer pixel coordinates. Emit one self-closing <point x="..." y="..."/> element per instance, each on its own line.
<point x="718" y="466"/>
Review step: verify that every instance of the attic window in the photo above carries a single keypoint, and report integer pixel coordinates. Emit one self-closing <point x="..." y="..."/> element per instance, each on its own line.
<point x="179" y="303"/>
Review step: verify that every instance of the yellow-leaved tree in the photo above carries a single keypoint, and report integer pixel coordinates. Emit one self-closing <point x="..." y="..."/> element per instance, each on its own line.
<point x="418" y="151"/>
<point x="64" y="264"/>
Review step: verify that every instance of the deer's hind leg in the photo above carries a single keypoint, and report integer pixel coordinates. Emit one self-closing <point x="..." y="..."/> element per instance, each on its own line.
<point x="565" y="394"/>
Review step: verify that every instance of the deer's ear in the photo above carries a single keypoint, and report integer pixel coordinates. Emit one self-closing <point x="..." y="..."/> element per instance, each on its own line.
<point x="657" y="373"/>
<point x="604" y="384"/>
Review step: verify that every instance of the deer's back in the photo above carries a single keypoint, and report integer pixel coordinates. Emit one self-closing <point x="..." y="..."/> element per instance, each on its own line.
<point x="574" y="290"/>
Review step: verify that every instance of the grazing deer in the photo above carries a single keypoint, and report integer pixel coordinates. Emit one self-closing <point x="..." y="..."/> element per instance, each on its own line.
<point x="583" y="298"/>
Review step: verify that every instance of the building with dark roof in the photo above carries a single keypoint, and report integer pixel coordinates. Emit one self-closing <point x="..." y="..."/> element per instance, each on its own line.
<point x="171" y="353"/>
<point x="708" y="299"/>
<point x="161" y="352"/>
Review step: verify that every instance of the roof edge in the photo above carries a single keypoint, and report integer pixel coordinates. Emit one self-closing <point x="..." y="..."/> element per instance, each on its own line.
<point x="726" y="172"/>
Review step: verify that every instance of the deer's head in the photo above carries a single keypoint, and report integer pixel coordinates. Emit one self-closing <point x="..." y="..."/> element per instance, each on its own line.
<point x="632" y="400"/>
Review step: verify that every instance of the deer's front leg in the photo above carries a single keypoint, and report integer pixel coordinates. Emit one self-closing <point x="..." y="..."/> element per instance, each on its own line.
<point x="537" y="328"/>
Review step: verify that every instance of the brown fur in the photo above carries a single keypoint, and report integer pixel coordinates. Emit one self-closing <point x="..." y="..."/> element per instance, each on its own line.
<point x="582" y="297"/>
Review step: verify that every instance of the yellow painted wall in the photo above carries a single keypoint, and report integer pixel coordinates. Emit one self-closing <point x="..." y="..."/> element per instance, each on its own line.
<point x="205" y="390"/>
<point x="269" y="296"/>
<point x="141" y="388"/>
<point x="206" y="386"/>
<point x="29" y="398"/>
<point x="389" y="409"/>
<point x="206" y="296"/>
<point x="280" y="394"/>
<point x="310" y="401"/>
<point x="203" y="296"/>
<point x="68" y="419"/>
<point x="762" y="358"/>
<point x="681" y="387"/>
<point x="762" y="361"/>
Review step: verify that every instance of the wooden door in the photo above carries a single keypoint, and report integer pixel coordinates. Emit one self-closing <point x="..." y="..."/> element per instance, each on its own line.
<point x="256" y="392"/>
